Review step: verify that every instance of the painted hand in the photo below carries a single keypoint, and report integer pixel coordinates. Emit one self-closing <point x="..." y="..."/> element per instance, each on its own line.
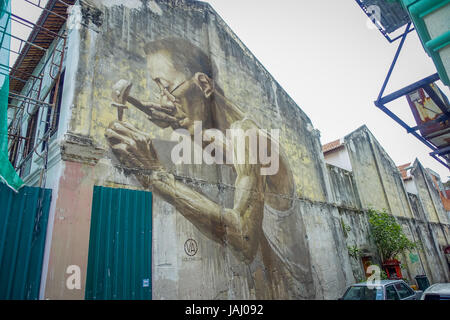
<point x="133" y="148"/>
<point x="163" y="115"/>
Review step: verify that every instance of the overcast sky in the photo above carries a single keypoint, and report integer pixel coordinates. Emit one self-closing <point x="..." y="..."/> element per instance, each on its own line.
<point x="328" y="60"/>
<point x="331" y="63"/>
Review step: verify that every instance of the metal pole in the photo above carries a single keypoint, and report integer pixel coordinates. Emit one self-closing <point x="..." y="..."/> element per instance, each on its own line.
<point x="32" y="25"/>
<point x="402" y="42"/>
<point x="408" y="89"/>
<point x="404" y="125"/>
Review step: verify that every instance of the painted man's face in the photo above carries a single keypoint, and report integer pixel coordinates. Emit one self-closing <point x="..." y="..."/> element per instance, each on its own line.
<point x="164" y="73"/>
<point x="191" y="101"/>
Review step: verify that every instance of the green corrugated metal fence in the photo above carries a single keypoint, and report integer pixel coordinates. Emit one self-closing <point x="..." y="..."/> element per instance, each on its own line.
<point x="23" y="226"/>
<point x="120" y="245"/>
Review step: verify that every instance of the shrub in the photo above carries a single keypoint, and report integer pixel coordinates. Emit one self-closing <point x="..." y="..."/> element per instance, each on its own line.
<point x="388" y="235"/>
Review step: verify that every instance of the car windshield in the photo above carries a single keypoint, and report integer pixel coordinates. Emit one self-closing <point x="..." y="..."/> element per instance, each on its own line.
<point x="363" y="293"/>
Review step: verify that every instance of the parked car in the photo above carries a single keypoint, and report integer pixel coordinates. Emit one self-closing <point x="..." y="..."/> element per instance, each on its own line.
<point x="437" y="291"/>
<point x="384" y="290"/>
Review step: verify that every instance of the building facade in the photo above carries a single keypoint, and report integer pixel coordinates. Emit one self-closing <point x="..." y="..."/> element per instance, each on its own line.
<point x="407" y="192"/>
<point x="139" y="79"/>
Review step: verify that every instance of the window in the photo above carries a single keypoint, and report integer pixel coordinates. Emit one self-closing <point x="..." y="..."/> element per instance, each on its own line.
<point x="353" y="293"/>
<point x="435" y="296"/>
<point x="55" y="118"/>
<point x="362" y="293"/>
<point x="31" y="134"/>
<point x="14" y="148"/>
<point x="403" y="290"/>
<point x="391" y="293"/>
<point x="52" y="119"/>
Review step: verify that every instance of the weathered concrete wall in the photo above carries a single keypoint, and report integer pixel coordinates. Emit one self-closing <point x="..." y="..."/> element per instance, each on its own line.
<point x="433" y="238"/>
<point x="428" y="194"/>
<point x="432" y="259"/>
<point x="331" y="264"/>
<point x="431" y="223"/>
<point x="378" y="180"/>
<point x="113" y="49"/>
<point x="343" y="187"/>
<point x="417" y="207"/>
<point x="357" y="234"/>
<point x="380" y="186"/>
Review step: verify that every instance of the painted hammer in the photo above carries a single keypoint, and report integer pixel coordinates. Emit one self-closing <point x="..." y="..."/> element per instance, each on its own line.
<point x="119" y="94"/>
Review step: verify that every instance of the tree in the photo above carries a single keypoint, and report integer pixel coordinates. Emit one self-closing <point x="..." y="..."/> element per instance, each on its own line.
<point x="388" y="235"/>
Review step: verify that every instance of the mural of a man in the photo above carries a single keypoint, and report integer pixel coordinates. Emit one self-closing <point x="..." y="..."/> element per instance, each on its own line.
<point x="185" y="74"/>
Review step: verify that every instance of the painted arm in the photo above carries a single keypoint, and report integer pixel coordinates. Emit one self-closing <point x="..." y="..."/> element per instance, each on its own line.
<point x="240" y="227"/>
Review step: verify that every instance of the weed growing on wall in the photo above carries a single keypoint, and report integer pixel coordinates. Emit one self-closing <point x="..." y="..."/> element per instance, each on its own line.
<point x="354" y="252"/>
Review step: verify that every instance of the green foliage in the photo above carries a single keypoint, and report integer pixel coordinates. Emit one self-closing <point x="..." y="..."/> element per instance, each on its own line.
<point x="388" y="235"/>
<point x="383" y="274"/>
<point x="345" y="228"/>
<point x="354" y="252"/>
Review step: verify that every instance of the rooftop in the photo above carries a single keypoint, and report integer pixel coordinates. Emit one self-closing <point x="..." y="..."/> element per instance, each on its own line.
<point x="403" y="170"/>
<point x="331" y="146"/>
